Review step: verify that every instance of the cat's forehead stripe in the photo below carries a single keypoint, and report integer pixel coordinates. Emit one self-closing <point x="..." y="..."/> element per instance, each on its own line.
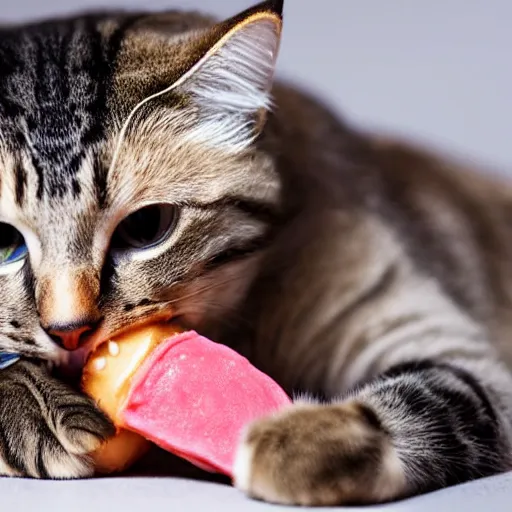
<point x="20" y="176"/>
<point x="53" y="81"/>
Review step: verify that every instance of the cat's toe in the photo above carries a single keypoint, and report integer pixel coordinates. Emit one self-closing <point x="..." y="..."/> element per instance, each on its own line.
<point x="318" y="455"/>
<point x="82" y="427"/>
<point x="57" y="463"/>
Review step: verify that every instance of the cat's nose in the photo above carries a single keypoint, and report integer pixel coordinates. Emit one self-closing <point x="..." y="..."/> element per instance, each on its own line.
<point x="67" y="303"/>
<point x="70" y="336"/>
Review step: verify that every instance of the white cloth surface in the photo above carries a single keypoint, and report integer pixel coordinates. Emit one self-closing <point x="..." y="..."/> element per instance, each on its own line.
<point x="157" y="494"/>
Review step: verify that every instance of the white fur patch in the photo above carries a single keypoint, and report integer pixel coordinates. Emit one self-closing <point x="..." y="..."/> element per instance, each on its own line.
<point x="6" y="470"/>
<point x="68" y="466"/>
<point x="232" y="85"/>
<point x="242" y="467"/>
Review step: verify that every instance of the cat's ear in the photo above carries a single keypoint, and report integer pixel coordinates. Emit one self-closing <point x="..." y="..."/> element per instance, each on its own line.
<point x="231" y="83"/>
<point x="220" y="74"/>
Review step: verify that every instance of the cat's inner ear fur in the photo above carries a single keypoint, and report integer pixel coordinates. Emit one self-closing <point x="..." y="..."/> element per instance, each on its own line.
<point x="231" y="84"/>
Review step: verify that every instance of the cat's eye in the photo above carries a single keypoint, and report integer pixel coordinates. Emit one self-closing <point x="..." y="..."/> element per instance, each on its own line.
<point x="12" y="244"/>
<point x="145" y="228"/>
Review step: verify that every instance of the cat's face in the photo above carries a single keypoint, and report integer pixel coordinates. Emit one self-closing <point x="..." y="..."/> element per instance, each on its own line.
<point x="121" y="205"/>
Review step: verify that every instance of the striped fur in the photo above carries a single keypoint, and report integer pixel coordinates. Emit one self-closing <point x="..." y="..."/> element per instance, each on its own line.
<point x="370" y="278"/>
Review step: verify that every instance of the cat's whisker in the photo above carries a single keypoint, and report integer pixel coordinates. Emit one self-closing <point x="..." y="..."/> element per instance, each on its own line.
<point x="200" y="291"/>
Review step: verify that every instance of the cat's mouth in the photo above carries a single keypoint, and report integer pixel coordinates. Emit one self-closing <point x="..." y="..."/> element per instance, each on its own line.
<point x="71" y="365"/>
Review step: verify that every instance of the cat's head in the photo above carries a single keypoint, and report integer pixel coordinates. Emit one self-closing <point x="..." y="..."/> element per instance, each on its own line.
<point x="131" y="185"/>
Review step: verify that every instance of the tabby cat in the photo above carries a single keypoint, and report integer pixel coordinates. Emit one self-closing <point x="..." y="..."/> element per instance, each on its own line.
<point x="151" y="169"/>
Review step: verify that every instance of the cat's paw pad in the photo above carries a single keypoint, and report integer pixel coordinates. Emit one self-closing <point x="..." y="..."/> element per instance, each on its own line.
<point x="317" y="455"/>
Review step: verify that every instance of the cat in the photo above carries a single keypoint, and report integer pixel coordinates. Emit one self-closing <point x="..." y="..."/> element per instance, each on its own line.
<point x="153" y="168"/>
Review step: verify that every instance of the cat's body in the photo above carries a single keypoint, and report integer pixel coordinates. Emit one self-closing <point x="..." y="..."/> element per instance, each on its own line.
<point x="356" y="269"/>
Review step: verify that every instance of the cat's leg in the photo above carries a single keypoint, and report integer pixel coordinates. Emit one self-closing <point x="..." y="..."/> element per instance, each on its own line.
<point x="418" y="427"/>
<point x="46" y="428"/>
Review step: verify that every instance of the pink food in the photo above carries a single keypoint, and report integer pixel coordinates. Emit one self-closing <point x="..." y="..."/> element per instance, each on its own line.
<point x="194" y="397"/>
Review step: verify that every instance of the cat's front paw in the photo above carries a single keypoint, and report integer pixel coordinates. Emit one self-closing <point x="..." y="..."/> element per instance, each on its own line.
<point x="80" y="427"/>
<point x="48" y="429"/>
<point x="319" y="455"/>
